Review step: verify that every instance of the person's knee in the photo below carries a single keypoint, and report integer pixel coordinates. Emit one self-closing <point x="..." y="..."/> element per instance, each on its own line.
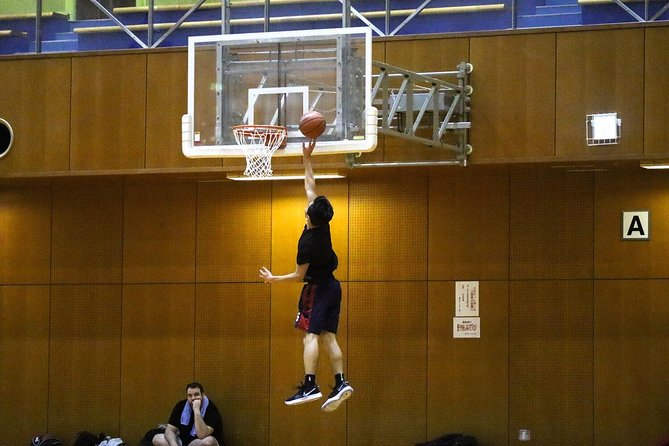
<point x="159" y="440"/>
<point x="330" y="339"/>
<point x="207" y="441"/>
<point x="311" y="339"/>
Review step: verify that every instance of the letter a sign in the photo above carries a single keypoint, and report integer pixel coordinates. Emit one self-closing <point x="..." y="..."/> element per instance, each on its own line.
<point x="636" y="225"/>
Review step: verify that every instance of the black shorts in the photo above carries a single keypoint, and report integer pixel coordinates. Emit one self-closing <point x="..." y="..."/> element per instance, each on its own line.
<point x="318" y="309"/>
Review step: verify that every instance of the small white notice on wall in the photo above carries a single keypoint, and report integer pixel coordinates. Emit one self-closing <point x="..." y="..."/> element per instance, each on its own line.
<point x="636" y="225"/>
<point x="466" y="299"/>
<point x="466" y="327"/>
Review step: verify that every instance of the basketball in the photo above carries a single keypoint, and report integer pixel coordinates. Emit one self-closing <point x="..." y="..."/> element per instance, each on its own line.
<point x="312" y="124"/>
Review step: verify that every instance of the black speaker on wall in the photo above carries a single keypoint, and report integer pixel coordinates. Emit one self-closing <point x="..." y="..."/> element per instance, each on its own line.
<point x="6" y="137"/>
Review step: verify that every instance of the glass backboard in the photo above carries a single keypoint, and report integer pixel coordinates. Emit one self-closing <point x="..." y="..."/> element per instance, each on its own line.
<point x="273" y="79"/>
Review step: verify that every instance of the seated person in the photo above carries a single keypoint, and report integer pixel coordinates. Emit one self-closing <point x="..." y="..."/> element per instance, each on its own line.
<point x="194" y="421"/>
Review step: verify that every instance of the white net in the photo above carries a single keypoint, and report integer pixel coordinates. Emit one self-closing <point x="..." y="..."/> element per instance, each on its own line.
<point x="259" y="143"/>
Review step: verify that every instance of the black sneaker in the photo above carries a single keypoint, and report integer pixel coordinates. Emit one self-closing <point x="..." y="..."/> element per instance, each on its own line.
<point x="304" y="395"/>
<point x="340" y="393"/>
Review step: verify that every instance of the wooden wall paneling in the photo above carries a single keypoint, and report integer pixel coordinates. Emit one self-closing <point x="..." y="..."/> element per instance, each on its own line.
<point x="423" y="55"/>
<point x="387" y="351"/>
<point x="470" y="373"/>
<point x="287" y="367"/>
<point x="631" y="337"/>
<point x="85" y="359"/>
<point x="87" y="238"/>
<point x="513" y="103"/>
<point x="25" y="231"/>
<point x="551" y="218"/>
<point x="656" y="81"/>
<point x="108" y="112"/>
<point x="289" y="204"/>
<point x="388" y="225"/>
<point x="287" y="371"/>
<point x="166" y="102"/>
<point x="232" y="356"/>
<point x="157" y="354"/>
<point x="233" y="230"/>
<point x="551" y="361"/>
<point x="378" y="50"/>
<point x="616" y="192"/>
<point x="159" y="232"/>
<point x="24" y="369"/>
<point x="468" y="228"/>
<point x="36" y="103"/>
<point x="599" y="72"/>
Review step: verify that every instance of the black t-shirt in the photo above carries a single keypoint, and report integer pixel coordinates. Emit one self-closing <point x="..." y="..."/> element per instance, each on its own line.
<point x="315" y="248"/>
<point x="212" y="418"/>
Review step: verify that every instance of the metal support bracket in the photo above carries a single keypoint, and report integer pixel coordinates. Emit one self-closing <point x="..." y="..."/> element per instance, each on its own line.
<point x="414" y="105"/>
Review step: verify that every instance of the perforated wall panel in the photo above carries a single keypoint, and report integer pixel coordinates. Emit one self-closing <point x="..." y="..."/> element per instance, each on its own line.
<point x="550" y="361"/>
<point x="159" y="233"/>
<point x="468" y="234"/>
<point x="551" y="221"/>
<point x="232" y="344"/>
<point x="157" y="353"/>
<point x="631" y="337"/>
<point x="289" y="204"/>
<point x="616" y="192"/>
<point x="24" y="368"/>
<point x="387" y="353"/>
<point x="87" y="233"/>
<point x="25" y="231"/>
<point x="468" y="373"/>
<point x="85" y="358"/>
<point x="287" y="370"/>
<point x="388" y="226"/>
<point x="233" y="230"/>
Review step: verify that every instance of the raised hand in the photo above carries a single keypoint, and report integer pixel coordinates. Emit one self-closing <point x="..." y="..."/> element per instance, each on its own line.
<point x="308" y="149"/>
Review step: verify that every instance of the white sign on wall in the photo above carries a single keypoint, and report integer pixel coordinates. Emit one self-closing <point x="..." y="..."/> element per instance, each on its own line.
<point x="636" y="225"/>
<point x="466" y="323"/>
<point x="466" y="327"/>
<point x="466" y="299"/>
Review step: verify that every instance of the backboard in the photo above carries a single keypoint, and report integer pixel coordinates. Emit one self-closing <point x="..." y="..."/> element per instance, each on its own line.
<point x="273" y="79"/>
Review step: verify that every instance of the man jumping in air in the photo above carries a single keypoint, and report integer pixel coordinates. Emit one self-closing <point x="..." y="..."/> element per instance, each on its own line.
<point x="320" y="301"/>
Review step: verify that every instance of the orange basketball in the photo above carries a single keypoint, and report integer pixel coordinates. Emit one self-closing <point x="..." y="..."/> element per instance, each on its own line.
<point x="312" y="124"/>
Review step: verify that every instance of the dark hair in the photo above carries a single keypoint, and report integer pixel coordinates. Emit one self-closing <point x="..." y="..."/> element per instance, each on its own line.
<point x="195" y="385"/>
<point x="320" y="211"/>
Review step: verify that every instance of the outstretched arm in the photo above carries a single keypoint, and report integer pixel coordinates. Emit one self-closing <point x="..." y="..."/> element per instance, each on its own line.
<point x="297" y="275"/>
<point x="309" y="180"/>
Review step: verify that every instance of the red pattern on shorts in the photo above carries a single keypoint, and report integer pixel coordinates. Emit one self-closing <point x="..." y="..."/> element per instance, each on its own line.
<point x="306" y="305"/>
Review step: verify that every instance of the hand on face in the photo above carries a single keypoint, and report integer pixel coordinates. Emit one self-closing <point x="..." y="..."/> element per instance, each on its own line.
<point x="197" y="403"/>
